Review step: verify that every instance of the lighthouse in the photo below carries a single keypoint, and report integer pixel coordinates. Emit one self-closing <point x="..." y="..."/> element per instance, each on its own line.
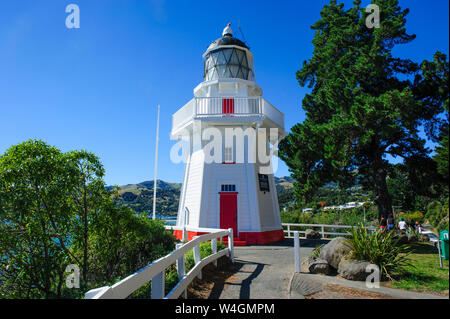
<point x="231" y="132"/>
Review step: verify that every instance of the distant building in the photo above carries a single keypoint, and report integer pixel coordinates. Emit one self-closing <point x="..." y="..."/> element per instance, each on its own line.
<point x="348" y="205"/>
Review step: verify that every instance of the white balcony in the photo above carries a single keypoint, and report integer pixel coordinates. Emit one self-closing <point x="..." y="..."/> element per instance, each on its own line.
<point x="228" y="109"/>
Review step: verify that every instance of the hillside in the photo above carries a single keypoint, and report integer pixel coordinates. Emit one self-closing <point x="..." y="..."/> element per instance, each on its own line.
<point x="139" y="197"/>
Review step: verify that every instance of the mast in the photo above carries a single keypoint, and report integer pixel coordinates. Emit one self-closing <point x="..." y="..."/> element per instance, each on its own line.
<point x="155" y="181"/>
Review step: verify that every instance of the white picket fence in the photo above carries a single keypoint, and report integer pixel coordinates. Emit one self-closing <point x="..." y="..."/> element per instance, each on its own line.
<point x="155" y="272"/>
<point x="290" y="232"/>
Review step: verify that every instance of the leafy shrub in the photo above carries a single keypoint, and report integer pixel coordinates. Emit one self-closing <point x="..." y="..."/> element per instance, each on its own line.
<point x="379" y="248"/>
<point x="205" y="251"/>
<point x="438" y="215"/>
<point x="416" y="217"/>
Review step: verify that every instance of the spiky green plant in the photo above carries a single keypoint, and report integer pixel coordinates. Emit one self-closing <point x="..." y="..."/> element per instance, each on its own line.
<point x="379" y="248"/>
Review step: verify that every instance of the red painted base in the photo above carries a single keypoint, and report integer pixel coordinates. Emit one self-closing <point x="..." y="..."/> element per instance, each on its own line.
<point x="261" y="238"/>
<point x="245" y="238"/>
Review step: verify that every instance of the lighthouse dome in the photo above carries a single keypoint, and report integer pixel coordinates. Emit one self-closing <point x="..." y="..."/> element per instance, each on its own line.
<point x="228" y="57"/>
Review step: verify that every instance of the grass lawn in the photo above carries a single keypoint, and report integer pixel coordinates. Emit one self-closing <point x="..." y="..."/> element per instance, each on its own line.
<point x="424" y="274"/>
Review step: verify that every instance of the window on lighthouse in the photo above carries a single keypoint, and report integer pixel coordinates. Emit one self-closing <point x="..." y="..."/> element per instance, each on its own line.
<point x="228" y="155"/>
<point x="227" y="63"/>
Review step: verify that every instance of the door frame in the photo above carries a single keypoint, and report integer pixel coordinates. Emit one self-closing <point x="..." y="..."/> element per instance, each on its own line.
<point x="236" y="193"/>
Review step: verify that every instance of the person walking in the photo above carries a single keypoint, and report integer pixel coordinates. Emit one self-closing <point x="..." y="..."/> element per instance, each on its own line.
<point x="383" y="223"/>
<point x="390" y="222"/>
<point x="402" y="225"/>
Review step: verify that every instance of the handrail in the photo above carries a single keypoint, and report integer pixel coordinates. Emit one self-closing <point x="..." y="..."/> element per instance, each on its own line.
<point x="289" y="231"/>
<point x="213" y="107"/>
<point x="155" y="272"/>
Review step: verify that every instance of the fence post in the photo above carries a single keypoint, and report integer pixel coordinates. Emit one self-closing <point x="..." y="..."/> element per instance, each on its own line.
<point x="181" y="269"/>
<point x="158" y="285"/>
<point x="289" y="230"/>
<point x="185" y="237"/>
<point x="230" y="244"/>
<point x="197" y="257"/>
<point x="297" y="251"/>
<point x="214" y="249"/>
<point x="439" y="252"/>
<point x="323" y="230"/>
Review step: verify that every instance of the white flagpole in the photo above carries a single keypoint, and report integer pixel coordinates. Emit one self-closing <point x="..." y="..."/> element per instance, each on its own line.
<point x="155" y="181"/>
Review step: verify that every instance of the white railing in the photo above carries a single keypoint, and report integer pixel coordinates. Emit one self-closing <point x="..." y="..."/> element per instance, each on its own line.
<point x="290" y="232"/>
<point x="272" y="113"/>
<point x="216" y="107"/>
<point x="155" y="272"/>
<point x="211" y="106"/>
<point x="183" y="115"/>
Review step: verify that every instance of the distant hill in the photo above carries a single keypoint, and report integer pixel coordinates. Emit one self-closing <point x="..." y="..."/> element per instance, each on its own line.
<point x="139" y="197"/>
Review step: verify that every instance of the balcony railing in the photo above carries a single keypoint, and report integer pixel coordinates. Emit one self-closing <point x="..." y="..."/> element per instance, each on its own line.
<point x="220" y="107"/>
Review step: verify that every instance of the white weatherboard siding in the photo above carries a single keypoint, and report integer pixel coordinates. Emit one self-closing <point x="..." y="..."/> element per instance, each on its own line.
<point x="193" y="191"/>
<point x="236" y="174"/>
<point x="269" y="212"/>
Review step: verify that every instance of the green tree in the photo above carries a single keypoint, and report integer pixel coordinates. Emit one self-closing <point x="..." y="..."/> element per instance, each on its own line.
<point x="34" y="220"/>
<point x="365" y="104"/>
<point x="86" y="199"/>
<point x="54" y="211"/>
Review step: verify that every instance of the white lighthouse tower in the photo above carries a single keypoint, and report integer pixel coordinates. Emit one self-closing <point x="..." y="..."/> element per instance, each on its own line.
<point x="228" y="180"/>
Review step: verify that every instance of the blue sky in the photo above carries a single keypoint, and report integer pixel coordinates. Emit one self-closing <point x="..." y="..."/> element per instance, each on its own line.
<point x="98" y="87"/>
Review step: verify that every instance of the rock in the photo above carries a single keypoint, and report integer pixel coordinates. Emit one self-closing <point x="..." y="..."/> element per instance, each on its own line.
<point x="312" y="234"/>
<point x="334" y="251"/>
<point x="314" y="266"/>
<point x="305" y="263"/>
<point x="320" y="266"/>
<point x="353" y="269"/>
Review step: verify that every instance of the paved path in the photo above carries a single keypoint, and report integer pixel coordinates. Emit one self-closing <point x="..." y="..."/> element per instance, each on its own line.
<point x="267" y="272"/>
<point x="263" y="272"/>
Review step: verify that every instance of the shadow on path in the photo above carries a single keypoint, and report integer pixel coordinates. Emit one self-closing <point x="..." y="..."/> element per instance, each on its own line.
<point x="236" y="271"/>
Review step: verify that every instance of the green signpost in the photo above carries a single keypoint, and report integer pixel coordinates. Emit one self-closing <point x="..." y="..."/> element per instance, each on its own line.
<point x="444" y="243"/>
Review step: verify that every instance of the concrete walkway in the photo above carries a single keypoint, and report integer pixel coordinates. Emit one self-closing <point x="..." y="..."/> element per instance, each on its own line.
<point x="262" y="272"/>
<point x="267" y="272"/>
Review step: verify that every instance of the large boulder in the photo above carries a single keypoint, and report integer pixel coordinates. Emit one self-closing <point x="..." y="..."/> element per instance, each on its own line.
<point x="315" y="266"/>
<point x="312" y="234"/>
<point x="334" y="251"/>
<point x="353" y="269"/>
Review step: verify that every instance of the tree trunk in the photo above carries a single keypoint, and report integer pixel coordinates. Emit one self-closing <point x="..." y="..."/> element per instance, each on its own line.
<point x="382" y="197"/>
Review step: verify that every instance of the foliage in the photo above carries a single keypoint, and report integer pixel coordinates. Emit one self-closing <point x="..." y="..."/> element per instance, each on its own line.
<point x="438" y="215"/>
<point x="205" y="251"/>
<point x="365" y="104"/>
<point x="54" y="211"/>
<point x="413" y="186"/>
<point x="379" y="248"/>
<point x="352" y="217"/>
<point x="122" y="243"/>
<point x="316" y="252"/>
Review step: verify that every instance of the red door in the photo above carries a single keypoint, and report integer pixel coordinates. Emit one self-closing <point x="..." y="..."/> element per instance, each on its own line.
<point x="228" y="211"/>
<point x="227" y="106"/>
